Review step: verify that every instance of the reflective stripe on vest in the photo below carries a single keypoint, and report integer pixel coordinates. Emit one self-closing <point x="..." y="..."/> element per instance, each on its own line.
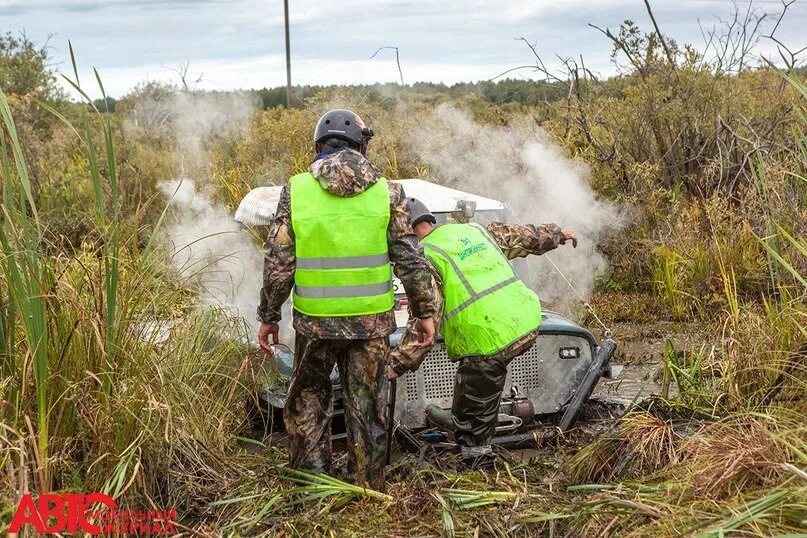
<point x="346" y="262"/>
<point x="333" y="292"/>
<point x="342" y="266"/>
<point x="487" y="306"/>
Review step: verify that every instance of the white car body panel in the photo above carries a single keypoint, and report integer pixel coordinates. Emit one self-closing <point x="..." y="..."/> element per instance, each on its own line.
<point x="259" y="205"/>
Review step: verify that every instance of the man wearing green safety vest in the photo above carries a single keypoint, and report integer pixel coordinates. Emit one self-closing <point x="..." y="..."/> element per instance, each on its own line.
<point x="336" y="230"/>
<point x="487" y="317"/>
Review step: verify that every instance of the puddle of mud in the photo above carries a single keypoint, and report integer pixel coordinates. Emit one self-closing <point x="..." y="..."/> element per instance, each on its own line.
<point x="635" y="383"/>
<point x="640" y="353"/>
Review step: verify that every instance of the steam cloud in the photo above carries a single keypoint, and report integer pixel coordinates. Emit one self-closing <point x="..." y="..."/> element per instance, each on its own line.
<point x="193" y="120"/>
<point x="208" y="248"/>
<point x="517" y="164"/>
<point x="211" y="251"/>
<point x="520" y="165"/>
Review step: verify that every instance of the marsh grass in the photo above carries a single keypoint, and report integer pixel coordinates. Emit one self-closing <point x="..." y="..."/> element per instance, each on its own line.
<point x="90" y="401"/>
<point x="667" y="275"/>
<point x="639" y="444"/>
<point x="26" y="277"/>
<point x="98" y="394"/>
<point x="741" y="453"/>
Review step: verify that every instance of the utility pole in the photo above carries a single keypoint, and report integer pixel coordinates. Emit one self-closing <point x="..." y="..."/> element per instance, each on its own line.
<point x="288" y="56"/>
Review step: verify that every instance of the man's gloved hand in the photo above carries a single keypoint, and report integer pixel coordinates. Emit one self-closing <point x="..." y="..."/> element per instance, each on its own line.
<point x="426" y="332"/>
<point x="263" y="336"/>
<point x="568" y="235"/>
<point x="391" y="373"/>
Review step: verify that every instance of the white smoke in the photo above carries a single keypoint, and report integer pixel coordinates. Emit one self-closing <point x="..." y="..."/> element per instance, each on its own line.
<point x="212" y="252"/>
<point x="200" y="118"/>
<point x="193" y="120"/>
<point x="521" y="166"/>
<point x="208" y="248"/>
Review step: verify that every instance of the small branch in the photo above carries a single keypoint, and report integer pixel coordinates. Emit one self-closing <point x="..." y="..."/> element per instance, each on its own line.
<point x="510" y="71"/>
<point x="607" y="33"/>
<point x="397" y="59"/>
<point x="182" y="72"/>
<point x="781" y="16"/>
<point x="660" y="37"/>
<point x="539" y="63"/>
<point x="792" y="61"/>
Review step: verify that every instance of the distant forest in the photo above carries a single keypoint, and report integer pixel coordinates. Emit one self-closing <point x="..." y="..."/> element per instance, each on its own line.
<point x="524" y="92"/>
<point x="504" y="91"/>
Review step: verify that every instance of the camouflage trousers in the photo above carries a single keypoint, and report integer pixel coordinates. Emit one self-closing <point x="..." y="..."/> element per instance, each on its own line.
<point x="362" y="370"/>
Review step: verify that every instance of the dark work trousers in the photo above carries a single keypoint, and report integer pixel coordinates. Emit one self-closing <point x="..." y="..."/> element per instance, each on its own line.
<point x="477" y="391"/>
<point x="309" y="408"/>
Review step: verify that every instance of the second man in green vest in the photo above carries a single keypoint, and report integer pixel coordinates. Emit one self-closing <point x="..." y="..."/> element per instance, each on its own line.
<point x="487" y="316"/>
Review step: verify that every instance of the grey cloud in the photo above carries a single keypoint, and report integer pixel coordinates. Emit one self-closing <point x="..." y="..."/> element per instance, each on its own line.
<point x="126" y="35"/>
<point x="15" y="8"/>
<point x="19" y="7"/>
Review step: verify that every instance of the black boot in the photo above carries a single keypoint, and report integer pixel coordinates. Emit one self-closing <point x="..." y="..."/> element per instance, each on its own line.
<point x="442" y="418"/>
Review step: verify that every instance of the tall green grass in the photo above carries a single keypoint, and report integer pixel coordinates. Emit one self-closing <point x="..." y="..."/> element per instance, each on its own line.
<point x="25" y="274"/>
<point x="112" y="379"/>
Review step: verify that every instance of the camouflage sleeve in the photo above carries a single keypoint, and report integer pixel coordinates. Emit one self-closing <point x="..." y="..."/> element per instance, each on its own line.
<point x="406" y="253"/>
<point x="407" y="355"/>
<point x="519" y="241"/>
<point x="278" y="263"/>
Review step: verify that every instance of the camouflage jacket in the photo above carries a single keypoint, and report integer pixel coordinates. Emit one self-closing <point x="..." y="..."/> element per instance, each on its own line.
<point x="515" y="241"/>
<point x="345" y="173"/>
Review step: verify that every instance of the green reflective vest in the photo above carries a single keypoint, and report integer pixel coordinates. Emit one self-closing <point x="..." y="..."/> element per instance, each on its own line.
<point x="487" y="306"/>
<point x="343" y="266"/>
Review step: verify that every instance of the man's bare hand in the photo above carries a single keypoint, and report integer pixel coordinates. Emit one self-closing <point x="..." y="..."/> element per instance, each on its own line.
<point x="263" y="336"/>
<point x="568" y="235"/>
<point x="391" y="374"/>
<point x="426" y="332"/>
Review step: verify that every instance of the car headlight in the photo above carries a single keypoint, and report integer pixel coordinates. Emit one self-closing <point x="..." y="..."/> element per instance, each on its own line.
<point x="569" y="353"/>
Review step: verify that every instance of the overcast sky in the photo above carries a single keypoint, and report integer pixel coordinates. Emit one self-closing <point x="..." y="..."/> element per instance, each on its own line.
<point x="240" y="44"/>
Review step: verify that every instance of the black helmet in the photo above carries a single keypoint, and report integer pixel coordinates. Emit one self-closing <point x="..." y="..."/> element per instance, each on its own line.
<point x="342" y="125"/>
<point x="420" y="212"/>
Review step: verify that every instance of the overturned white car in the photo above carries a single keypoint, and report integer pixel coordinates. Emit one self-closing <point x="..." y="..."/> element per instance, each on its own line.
<point x="549" y="383"/>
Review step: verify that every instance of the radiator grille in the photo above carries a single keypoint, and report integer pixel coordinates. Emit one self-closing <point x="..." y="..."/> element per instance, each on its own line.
<point x="526" y="372"/>
<point x="539" y="375"/>
<point x="438" y="374"/>
<point x="411" y="387"/>
<point x="526" y="369"/>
